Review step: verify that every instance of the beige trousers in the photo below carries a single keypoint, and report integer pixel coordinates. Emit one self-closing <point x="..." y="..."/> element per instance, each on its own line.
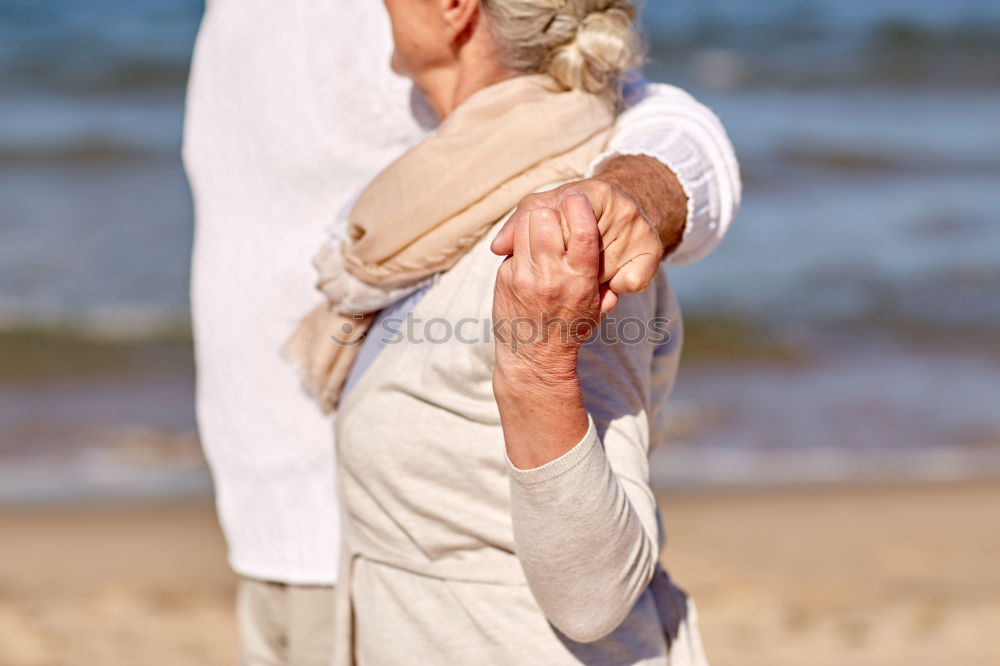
<point x="284" y="625"/>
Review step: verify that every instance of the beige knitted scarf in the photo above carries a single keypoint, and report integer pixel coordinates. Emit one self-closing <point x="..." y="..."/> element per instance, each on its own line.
<point x="429" y="207"/>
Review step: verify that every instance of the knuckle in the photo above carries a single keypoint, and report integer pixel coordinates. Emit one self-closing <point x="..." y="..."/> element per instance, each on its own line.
<point x="521" y="281"/>
<point x="600" y="188"/>
<point x="547" y="288"/>
<point x="627" y="207"/>
<point x="547" y="216"/>
<point x="631" y="282"/>
<point x="531" y="201"/>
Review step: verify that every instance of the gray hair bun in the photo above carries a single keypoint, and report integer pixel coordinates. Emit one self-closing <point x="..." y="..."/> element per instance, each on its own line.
<point x="583" y="44"/>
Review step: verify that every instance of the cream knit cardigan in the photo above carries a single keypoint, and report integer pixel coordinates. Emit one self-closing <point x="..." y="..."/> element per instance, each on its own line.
<point x="451" y="555"/>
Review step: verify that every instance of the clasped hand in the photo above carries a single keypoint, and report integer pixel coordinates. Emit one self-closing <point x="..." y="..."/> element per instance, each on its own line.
<point x="548" y="298"/>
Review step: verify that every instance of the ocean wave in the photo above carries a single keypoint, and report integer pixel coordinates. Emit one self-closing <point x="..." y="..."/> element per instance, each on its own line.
<point x="723" y="52"/>
<point x="33" y="352"/>
<point x="125" y="463"/>
<point x="107" y="75"/>
<point x="899" y="32"/>
<point x="110" y="323"/>
<point x="910" y="34"/>
<point x="711" y="466"/>
<point x="857" y="159"/>
<point x="82" y="150"/>
<point x="724" y="68"/>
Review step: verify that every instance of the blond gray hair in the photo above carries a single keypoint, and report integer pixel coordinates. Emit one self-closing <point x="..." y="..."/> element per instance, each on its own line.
<point x="582" y="44"/>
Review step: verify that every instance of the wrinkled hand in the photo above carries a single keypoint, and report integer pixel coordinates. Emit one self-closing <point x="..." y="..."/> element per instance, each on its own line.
<point x="547" y="300"/>
<point x="631" y="250"/>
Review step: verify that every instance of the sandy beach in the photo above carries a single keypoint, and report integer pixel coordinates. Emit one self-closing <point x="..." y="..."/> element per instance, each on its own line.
<point x="879" y="576"/>
<point x="889" y="575"/>
<point x="113" y="585"/>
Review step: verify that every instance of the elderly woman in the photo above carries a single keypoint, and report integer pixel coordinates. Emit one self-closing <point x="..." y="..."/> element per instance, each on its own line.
<point x="494" y="476"/>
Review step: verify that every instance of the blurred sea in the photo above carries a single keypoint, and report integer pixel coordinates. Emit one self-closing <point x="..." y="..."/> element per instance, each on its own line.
<point x="848" y="329"/>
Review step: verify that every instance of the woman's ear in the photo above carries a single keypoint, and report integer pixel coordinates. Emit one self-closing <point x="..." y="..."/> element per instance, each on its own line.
<point x="460" y="17"/>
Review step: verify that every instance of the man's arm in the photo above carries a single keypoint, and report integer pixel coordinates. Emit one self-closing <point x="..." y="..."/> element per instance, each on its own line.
<point x="656" y="190"/>
<point x="668" y="185"/>
<point x="668" y="124"/>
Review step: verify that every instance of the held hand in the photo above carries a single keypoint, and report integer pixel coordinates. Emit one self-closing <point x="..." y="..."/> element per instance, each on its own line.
<point x="631" y="250"/>
<point x="547" y="300"/>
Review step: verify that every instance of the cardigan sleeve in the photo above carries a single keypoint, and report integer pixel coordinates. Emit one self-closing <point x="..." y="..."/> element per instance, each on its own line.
<point x="668" y="124"/>
<point x="585" y="524"/>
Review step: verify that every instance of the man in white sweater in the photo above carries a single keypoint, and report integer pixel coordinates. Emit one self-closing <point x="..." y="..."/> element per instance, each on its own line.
<point x="292" y="108"/>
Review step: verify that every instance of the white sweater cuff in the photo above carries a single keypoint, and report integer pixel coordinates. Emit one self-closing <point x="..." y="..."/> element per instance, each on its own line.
<point x="669" y="125"/>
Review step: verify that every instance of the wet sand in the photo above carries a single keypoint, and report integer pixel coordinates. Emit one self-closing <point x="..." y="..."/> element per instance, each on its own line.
<point x="881" y="575"/>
